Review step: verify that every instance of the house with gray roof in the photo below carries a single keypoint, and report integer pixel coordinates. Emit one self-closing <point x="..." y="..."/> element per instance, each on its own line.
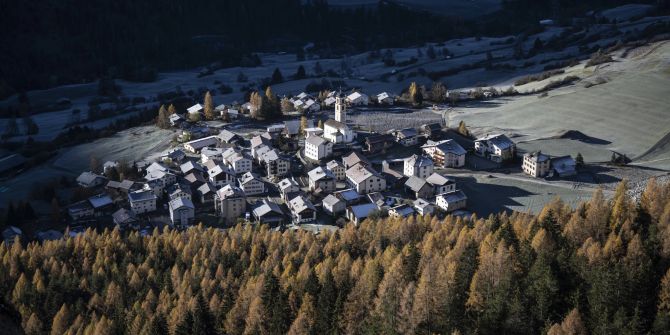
<point x="498" y="148"/>
<point x="142" y="201"/>
<point x="182" y="212"/>
<point x="418" y="165"/>
<point x="268" y="212"/>
<point x="230" y="203"/>
<point x="251" y="184"/>
<point x="445" y="153"/>
<point x="302" y="210"/>
<point x="418" y="187"/>
<point x="321" y="180"/>
<point x="89" y="180"/>
<point x="365" y="179"/>
<point x="451" y="201"/>
<point x="358" y="213"/>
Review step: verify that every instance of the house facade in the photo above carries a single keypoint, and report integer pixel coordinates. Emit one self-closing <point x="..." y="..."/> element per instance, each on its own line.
<point x="452" y="201"/>
<point x="230" y="203"/>
<point x="317" y="148"/>
<point x="251" y="184"/>
<point x="365" y="179"/>
<point x="142" y="201"/>
<point x="498" y="148"/>
<point x="418" y="166"/>
<point x="337" y="132"/>
<point x="446" y="153"/>
<point x="536" y="164"/>
<point x="321" y="179"/>
<point x="182" y="212"/>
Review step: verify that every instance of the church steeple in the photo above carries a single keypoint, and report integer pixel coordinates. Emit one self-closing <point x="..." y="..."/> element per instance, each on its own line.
<point x="340" y="110"/>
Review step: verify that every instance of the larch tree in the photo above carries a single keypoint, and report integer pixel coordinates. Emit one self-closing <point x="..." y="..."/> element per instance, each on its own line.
<point x="209" y="106"/>
<point x="162" y="121"/>
<point x="303" y="125"/>
<point x="33" y="325"/>
<point x="171" y="110"/>
<point x="415" y="94"/>
<point x="463" y="129"/>
<point x="286" y="106"/>
<point x="61" y="321"/>
<point x="305" y="319"/>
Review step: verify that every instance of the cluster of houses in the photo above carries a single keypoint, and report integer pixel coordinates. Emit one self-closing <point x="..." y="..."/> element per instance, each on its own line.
<point x="296" y="173"/>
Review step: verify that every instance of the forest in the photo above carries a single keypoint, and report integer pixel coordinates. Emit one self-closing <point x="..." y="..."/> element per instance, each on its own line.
<point x="602" y="268"/>
<point x="55" y="42"/>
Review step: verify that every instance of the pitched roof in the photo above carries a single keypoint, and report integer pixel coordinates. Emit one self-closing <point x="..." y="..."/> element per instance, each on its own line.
<point x="499" y="140"/>
<point x="536" y="156"/>
<point x="454" y="196"/>
<point x="100" y="200"/>
<point x="418" y="161"/>
<point x="446" y="146"/>
<point x="315" y="140"/>
<point x="375" y="139"/>
<point x="331" y="200"/>
<point x="403" y="210"/>
<point x="87" y="177"/>
<point x="287" y="183"/>
<point x="333" y="164"/>
<point x="415" y="183"/>
<point x="195" y="108"/>
<point x="407" y="132"/>
<point x="141" y="196"/>
<point x="348" y="195"/>
<point x="335" y="124"/>
<point x="354" y="158"/>
<point x="362" y="211"/>
<point x="206" y="188"/>
<point x="421" y="203"/>
<point x="300" y="204"/>
<point x="249" y="176"/>
<point x="359" y="173"/>
<point x="189" y="166"/>
<point x="180" y="202"/>
<point x="265" y="207"/>
<point x="123" y="216"/>
<point x="439" y="180"/>
<point x="219" y="169"/>
<point x="259" y="140"/>
<point x="227" y="135"/>
<point x="230" y="191"/>
<point x="319" y="173"/>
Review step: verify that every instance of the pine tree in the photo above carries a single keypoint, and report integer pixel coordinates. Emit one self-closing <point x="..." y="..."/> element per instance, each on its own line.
<point x="438" y="92"/>
<point x="415" y="94"/>
<point x="94" y="164"/>
<point x="209" y="106"/>
<point x="61" y="321"/>
<point x="277" y="77"/>
<point x="317" y="68"/>
<point x="300" y="73"/>
<point x="162" y="121"/>
<point x="304" y="321"/>
<point x="579" y="159"/>
<point x="34" y="325"/>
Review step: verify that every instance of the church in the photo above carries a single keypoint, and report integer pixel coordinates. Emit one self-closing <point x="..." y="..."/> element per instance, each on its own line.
<point x="337" y="131"/>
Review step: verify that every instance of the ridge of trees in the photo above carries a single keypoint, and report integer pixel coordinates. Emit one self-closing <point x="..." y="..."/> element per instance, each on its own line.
<point x="602" y="268"/>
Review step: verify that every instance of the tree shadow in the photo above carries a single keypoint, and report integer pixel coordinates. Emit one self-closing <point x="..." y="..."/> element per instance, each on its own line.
<point x="485" y="199"/>
<point x="596" y="174"/>
<point x="579" y="136"/>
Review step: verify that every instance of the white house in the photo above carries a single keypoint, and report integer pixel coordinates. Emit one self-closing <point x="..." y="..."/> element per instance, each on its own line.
<point x="401" y="211"/>
<point x="365" y="179"/>
<point x="230" y="203"/>
<point x="227" y="136"/>
<point x="447" y="153"/>
<point x="333" y="204"/>
<point x="313" y="131"/>
<point x="423" y="207"/>
<point x="321" y="179"/>
<point x="498" y="148"/>
<point x="385" y="98"/>
<point x="220" y="175"/>
<point x="287" y="186"/>
<point x="337" y="168"/>
<point x="90" y="179"/>
<point x="452" y="201"/>
<point x="317" y="148"/>
<point x="276" y="165"/>
<point x="358" y="99"/>
<point x="536" y="164"/>
<point x="407" y="137"/>
<point x="142" y="201"/>
<point x="337" y="132"/>
<point x="251" y="184"/>
<point x="208" y="153"/>
<point x="182" y="212"/>
<point x="177" y="190"/>
<point x="441" y="184"/>
<point x="160" y="175"/>
<point x="237" y="161"/>
<point x="358" y="213"/>
<point x="419" y="166"/>
<point x="302" y="210"/>
<point x="268" y="212"/>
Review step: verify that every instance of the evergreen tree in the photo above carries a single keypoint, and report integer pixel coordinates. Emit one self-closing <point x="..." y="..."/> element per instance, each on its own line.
<point x="275" y="306"/>
<point x="286" y="106"/>
<point x="61" y="321"/>
<point x="317" y="68"/>
<point x="300" y="73"/>
<point x="579" y="159"/>
<point x="171" y="110"/>
<point x="415" y="94"/>
<point x="463" y="129"/>
<point x="277" y="77"/>
<point x="303" y="125"/>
